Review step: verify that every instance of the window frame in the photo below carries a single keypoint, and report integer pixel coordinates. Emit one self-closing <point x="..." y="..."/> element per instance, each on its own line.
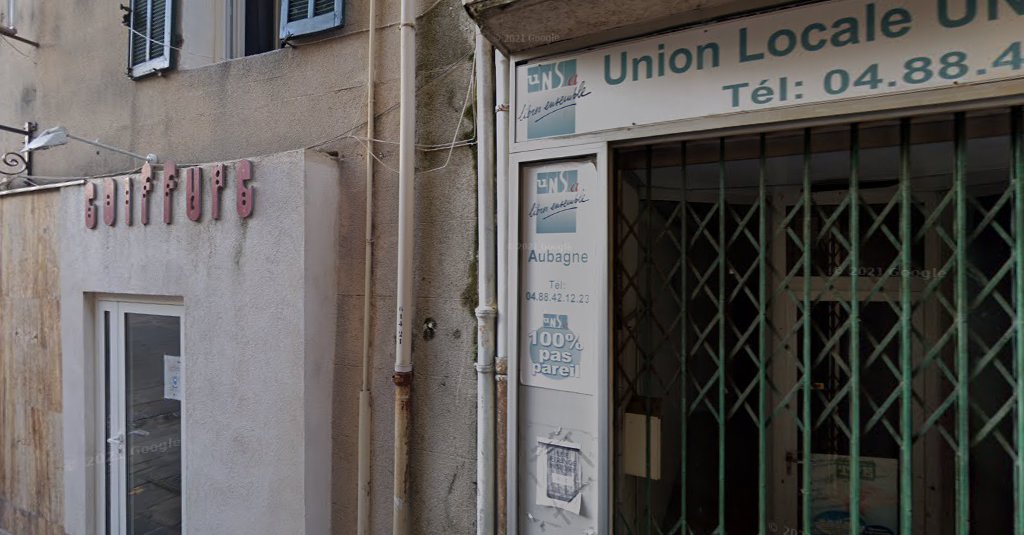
<point x="310" y="25"/>
<point x="151" y="65"/>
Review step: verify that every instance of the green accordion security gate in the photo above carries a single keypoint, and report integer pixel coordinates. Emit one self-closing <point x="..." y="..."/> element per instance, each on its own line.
<point x="819" y="321"/>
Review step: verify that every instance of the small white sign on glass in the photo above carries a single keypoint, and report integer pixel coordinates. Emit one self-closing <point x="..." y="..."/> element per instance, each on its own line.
<point x="172" y="377"/>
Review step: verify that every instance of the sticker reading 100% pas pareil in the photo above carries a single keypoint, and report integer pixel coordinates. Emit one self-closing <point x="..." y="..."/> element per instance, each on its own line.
<point x="555" y="351"/>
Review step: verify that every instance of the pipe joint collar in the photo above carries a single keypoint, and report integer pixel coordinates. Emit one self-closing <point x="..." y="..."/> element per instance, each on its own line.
<point x="484" y="368"/>
<point x="402" y="378"/>
<point x="483" y="312"/>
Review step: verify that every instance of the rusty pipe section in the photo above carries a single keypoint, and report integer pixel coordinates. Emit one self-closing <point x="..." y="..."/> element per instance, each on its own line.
<point x="403" y="425"/>
<point x="501" y="479"/>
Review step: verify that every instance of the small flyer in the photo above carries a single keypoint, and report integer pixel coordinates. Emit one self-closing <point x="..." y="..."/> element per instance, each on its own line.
<point x="830" y="501"/>
<point x="559" y="474"/>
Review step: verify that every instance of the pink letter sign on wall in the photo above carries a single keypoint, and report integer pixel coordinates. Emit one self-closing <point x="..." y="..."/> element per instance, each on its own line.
<point x="194" y="192"/>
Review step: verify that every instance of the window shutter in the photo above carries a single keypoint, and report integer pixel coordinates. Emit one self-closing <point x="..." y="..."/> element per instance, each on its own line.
<point x="149" y="45"/>
<point x="303" y="17"/>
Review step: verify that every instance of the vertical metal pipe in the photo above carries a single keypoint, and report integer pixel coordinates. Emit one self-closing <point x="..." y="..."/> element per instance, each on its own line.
<point x="805" y="466"/>
<point x="403" y="377"/>
<point x="365" y="406"/>
<point x="501" y="360"/>
<point x="501" y="440"/>
<point x="1017" y="182"/>
<point x="854" y="208"/>
<point x="30" y="129"/>
<point x="10" y="14"/>
<point x="401" y="519"/>
<point x="762" y="343"/>
<point x="684" y="378"/>
<point x="487" y="310"/>
<point x="722" y="358"/>
<point x="906" y="356"/>
<point x="961" y="299"/>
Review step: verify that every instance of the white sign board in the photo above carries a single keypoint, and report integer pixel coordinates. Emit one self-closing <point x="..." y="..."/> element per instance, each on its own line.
<point x="821" y="52"/>
<point x="561" y="266"/>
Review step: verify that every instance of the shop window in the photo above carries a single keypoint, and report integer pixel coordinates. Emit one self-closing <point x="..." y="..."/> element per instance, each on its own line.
<point x="820" y="321"/>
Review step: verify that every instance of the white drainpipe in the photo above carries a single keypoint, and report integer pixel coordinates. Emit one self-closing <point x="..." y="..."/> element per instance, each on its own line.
<point x="486" y="310"/>
<point x="10" y="14"/>
<point x="501" y="363"/>
<point x="404" y="307"/>
<point x="363" y="475"/>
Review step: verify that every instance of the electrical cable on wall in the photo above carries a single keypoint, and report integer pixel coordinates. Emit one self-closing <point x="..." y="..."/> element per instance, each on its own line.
<point x="442" y="72"/>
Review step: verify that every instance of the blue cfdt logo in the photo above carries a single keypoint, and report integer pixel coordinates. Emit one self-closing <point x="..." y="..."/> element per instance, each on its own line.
<point x="555" y="351"/>
<point x="557" y="215"/>
<point x="553" y="89"/>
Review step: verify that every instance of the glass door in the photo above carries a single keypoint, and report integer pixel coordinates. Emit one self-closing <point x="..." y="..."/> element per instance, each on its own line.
<point x="142" y="380"/>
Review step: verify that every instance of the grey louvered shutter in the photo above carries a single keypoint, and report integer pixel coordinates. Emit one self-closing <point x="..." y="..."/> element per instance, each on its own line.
<point x="302" y="17"/>
<point x="149" y="45"/>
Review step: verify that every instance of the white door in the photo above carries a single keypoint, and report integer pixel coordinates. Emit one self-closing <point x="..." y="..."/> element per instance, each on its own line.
<point x="140" y="384"/>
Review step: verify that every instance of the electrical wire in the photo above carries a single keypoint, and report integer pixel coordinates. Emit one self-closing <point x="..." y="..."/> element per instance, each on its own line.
<point x="458" y="124"/>
<point x="172" y="47"/>
<point x="18" y="50"/>
<point x="450" y="147"/>
<point x="357" y="32"/>
<point x="444" y="71"/>
<point x="348" y="134"/>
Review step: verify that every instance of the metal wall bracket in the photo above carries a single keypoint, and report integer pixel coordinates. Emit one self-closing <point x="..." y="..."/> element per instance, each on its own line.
<point x="16" y="163"/>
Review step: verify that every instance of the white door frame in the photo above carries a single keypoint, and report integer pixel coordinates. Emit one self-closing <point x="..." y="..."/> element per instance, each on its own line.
<point x="784" y="503"/>
<point x="110" y="386"/>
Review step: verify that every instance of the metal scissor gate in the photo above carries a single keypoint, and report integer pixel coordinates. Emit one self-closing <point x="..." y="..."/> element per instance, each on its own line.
<point x="819" y="321"/>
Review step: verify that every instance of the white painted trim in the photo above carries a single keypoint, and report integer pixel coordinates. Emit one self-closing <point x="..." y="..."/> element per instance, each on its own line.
<point x="232" y="29"/>
<point x="97" y="454"/>
<point x="598" y="151"/>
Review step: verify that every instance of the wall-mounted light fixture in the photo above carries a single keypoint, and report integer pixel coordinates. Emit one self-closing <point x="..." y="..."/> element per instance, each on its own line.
<point x="59" y="135"/>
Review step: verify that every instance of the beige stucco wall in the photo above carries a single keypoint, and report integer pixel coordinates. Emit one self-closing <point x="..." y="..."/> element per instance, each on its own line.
<point x="31" y="479"/>
<point x="285" y="100"/>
